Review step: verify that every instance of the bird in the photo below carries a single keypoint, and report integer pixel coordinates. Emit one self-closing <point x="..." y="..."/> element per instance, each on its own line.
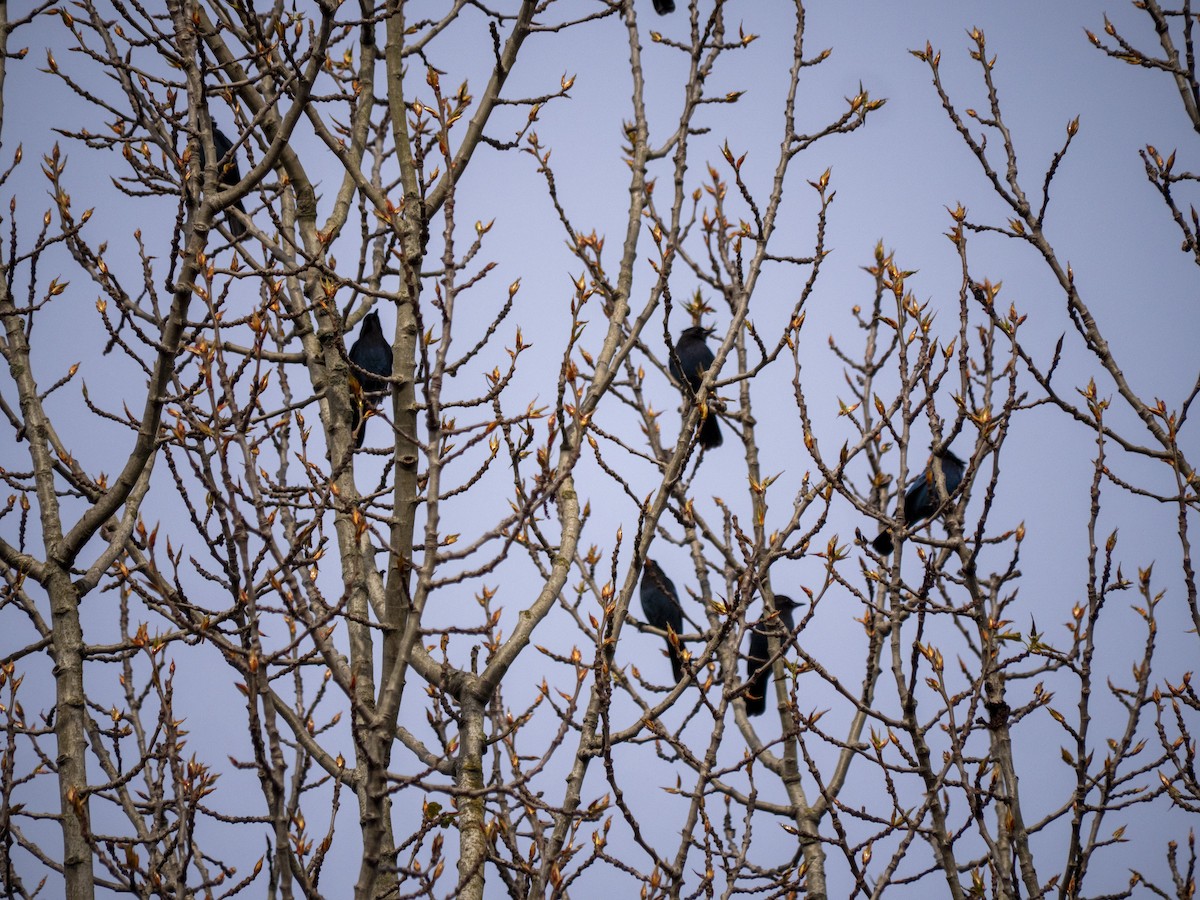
<point x="372" y="354"/>
<point x="920" y="500"/>
<point x="757" y="670"/>
<point x="688" y="365"/>
<point x="229" y="175"/>
<point x="662" y="7"/>
<point x="660" y="603"/>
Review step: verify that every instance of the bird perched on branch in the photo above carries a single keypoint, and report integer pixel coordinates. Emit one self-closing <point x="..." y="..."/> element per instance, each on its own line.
<point x="662" y="7"/>
<point x="660" y="604"/>
<point x="921" y="500"/>
<point x="371" y="356"/>
<point x="229" y="174"/>
<point x="757" y="670"/>
<point x="694" y="358"/>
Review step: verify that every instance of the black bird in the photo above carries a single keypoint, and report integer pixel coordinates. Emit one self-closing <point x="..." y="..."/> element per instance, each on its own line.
<point x="920" y="500"/>
<point x="662" y="7"/>
<point x="660" y="603"/>
<point x="229" y="175"/>
<point x="371" y="354"/>
<point x="694" y="359"/>
<point x="757" y="670"/>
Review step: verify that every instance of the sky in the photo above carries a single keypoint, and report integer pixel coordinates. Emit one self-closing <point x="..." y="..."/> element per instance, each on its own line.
<point x="895" y="180"/>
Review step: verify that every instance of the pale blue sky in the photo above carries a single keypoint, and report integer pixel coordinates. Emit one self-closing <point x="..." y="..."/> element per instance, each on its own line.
<point x="894" y="180"/>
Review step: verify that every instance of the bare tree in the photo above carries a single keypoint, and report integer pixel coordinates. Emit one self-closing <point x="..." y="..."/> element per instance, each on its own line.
<point x="338" y="624"/>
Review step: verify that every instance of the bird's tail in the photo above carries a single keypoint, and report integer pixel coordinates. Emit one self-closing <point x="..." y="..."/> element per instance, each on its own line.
<point x="358" y="405"/>
<point x="676" y="661"/>
<point x="357" y="425"/>
<point x="710" y="432"/>
<point x="756" y="694"/>
<point x="883" y="543"/>
<point x="236" y="226"/>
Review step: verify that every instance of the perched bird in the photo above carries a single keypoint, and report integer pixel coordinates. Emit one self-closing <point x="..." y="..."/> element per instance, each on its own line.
<point x="694" y="359"/>
<point x="371" y="354"/>
<point x="229" y="175"/>
<point x="920" y="500"/>
<point x="662" y="7"/>
<point x="660" y="603"/>
<point x="757" y="670"/>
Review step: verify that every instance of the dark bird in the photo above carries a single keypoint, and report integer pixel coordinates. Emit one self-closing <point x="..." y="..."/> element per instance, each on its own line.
<point x="229" y="175"/>
<point x="662" y="7"/>
<point x="757" y="670"/>
<point x="920" y="500"/>
<point x="694" y="358"/>
<point x="660" y="604"/>
<point x="372" y="359"/>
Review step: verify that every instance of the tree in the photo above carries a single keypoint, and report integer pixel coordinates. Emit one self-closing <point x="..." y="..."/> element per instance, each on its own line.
<point x="284" y="665"/>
